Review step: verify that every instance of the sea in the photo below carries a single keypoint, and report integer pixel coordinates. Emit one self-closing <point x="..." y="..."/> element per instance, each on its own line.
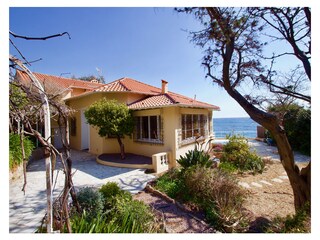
<point x="229" y="126"/>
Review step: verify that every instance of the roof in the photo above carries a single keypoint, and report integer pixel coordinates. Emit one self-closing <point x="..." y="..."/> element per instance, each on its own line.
<point x="152" y="97"/>
<point x="168" y="99"/>
<point x="129" y="85"/>
<point x="155" y="99"/>
<point x="58" y="82"/>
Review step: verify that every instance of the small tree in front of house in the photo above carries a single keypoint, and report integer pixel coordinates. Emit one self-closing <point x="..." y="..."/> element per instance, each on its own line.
<point x="112" y="119"/>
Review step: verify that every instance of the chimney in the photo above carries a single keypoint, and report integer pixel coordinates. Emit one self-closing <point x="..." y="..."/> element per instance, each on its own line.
<point x="164" y="88"/>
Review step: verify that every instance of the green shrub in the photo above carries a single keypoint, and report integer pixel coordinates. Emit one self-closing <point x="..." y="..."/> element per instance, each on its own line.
<point x="298" y="223"/>
<point x="172" y="183"/>
<point x="228" y="167"/>
<point x="86" y="224"/>
<point x="111" y="190"/>
<point x="195" y="157"/>
<point x="124" y="215"/>
<point x="297" y="124"/>
<point x="15" y="151"/>
<point x="132" y="216"/>
<point x="237" y="153"/>
<point x="218" y="193"/>
<point x="90" y="200"/>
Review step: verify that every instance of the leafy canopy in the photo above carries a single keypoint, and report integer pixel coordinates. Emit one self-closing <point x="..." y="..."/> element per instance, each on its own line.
<point x="111" y="117"/>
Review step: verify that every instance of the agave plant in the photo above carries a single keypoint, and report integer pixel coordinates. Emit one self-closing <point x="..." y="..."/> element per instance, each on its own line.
<point x="195" y="157"/>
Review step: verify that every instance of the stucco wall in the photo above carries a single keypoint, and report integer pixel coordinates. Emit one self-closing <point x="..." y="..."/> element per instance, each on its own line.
<point x="171" y="124"/>
<point x="97" y="144"/>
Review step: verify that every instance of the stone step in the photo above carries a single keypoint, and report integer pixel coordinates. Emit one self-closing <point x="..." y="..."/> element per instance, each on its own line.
<point x="283" y="177"/>
<point x="256" y="184"/>
<point x="244" y="184"/>
<point x="277" y="180"/>
<point x="265" y="182"/>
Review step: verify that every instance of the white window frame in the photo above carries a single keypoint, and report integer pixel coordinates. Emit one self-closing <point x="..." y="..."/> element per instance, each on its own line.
<point x="193" y="127"/>
<point x="149" y="139"/>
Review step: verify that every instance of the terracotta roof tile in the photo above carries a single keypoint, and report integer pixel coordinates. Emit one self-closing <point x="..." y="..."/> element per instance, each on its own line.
<point x="58" y="82"/>
<point x="112" y="87"/>
<point x="129" y="85"/>
<point x="167" y="100"/>
<point x="154" y="96"/>
<point x="151" y="102"/>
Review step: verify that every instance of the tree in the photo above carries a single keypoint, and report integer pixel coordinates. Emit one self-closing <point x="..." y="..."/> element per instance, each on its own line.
<point x="233" y="60"/>
<point x="38" y="105"/>
<point x="89" y="78"/>
<point x="112" y="119"/>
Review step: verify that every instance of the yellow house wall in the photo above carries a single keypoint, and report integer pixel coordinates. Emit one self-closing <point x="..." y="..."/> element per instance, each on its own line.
<point x="97" y="145"/>
<point x="96" y="142"/>
<point x="77" y="91"/>
<point x="79" y="104"/>
<point x="171" y="123"/>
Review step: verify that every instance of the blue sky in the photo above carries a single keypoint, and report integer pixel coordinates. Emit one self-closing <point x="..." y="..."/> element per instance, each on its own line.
<point x="147" y="44"/>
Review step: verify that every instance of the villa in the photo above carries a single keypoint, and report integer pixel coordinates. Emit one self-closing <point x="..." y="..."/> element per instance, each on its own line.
<point x="165" y="122"/>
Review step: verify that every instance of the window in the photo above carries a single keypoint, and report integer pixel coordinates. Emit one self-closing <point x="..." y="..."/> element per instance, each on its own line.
<point x="193" y="125"/>
<point x="148" y="129"/>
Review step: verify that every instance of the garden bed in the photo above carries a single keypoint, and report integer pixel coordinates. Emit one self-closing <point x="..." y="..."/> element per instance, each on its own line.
<point x="262" y="205"/>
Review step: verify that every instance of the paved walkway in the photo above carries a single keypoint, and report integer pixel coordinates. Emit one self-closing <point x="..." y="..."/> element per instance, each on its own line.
<point x="26" y="211"/>
<point x="264" y="150"/>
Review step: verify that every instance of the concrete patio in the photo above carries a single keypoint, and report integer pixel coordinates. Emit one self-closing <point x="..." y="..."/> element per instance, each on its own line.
<point x="26" y="211"/>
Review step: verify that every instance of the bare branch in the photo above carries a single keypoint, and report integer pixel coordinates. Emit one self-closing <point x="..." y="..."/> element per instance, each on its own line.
<point x="39" y="38"/>
<point x="19" y="52"/>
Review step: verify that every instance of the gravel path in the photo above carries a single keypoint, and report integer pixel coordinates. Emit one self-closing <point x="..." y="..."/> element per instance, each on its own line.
<point x="176" y="220"/>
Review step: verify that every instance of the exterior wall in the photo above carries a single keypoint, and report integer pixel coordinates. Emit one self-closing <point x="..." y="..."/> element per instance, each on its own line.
<point x="181" y="148"/>
<point x="77" y="91"/>
<point x="96" y="142"/>
<point x="98" y="145"/>
<point x="168" y="119"/>
<point x="171" y="128"/>
<point x="67" y="95"/>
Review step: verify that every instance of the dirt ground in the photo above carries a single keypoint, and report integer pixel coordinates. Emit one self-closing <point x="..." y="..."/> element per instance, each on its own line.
<point x="269" y="201"/>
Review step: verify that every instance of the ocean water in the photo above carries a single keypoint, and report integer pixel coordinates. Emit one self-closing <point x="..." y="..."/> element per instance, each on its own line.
<point x="226" y="126"/>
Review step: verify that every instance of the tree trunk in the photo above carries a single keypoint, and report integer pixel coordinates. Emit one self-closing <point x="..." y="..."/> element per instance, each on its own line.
<point x="24" y="160"/>
<point x="122" y="152"/>
<point x="66" y="147"/>
<point x="300" y="180"/>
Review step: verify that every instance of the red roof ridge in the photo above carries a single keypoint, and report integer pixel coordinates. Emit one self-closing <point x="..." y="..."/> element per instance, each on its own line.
<point x="152" y="96"/>
<point x="149" y="85"/>
<point x="71" y="80"/>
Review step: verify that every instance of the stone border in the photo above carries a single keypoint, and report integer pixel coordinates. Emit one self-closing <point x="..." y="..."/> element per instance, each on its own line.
<point x="164" y="196"/>
<point x="123" y="165"/>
